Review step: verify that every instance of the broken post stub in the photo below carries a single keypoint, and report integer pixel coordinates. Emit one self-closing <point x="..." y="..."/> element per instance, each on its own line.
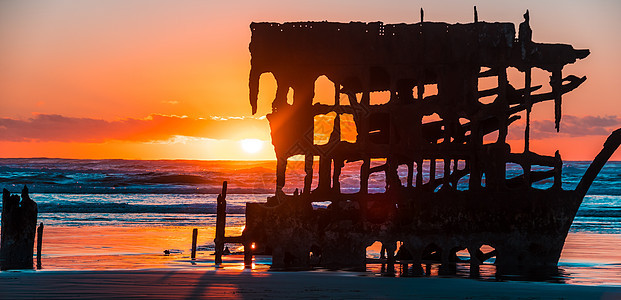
<point x="39" y="244"/>
<point x="221" y="239"/>
<point x="194" y="236"/>
<point x="19" y="223"/>
<point x="220" y="224"/>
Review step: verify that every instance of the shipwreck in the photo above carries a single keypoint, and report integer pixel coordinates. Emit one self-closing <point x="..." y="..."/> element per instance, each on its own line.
<point x="457" y="194"/>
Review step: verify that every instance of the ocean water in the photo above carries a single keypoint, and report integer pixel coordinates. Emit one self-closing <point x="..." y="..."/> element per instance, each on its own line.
<point x="73" y="192"/>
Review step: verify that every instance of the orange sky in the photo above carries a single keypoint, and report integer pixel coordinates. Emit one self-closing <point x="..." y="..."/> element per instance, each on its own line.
<point x="162" y="79"/>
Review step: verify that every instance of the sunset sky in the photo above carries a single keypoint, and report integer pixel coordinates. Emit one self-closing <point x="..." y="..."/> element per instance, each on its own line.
<point x="169" y="79"/>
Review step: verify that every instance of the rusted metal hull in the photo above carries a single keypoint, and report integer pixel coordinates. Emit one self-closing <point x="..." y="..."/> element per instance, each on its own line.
<point x="431" y="70"/>
<point x="527" y="227"/>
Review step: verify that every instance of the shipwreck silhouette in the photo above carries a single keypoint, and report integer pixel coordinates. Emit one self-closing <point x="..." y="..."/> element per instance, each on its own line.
<point x="432" y="218"/>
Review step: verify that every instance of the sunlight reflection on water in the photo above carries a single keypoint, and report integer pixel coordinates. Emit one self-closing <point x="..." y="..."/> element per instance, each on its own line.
<point x="587" y="259"/>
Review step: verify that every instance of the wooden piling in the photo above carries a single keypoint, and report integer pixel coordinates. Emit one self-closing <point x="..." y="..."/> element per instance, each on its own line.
<point x="220" y="224"/>
<point x="39" y="244"/>
<point x="18" y="229"/>
<point x="194" y="236"/>
<point x="248" y="255"/>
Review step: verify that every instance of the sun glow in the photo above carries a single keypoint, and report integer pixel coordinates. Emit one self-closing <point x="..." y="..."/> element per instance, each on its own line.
<point x="251" y="145"/>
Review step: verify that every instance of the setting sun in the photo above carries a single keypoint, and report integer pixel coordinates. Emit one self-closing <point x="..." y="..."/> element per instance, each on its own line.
<point x="251" y="145"/>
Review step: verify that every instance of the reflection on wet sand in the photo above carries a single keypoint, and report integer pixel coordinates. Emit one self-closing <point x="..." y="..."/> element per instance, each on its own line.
<point x="587" y="259"/>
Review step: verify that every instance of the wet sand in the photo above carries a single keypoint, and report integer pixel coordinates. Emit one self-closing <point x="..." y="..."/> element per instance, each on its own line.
<point x="128" y="262"/>
<point x="587" y="259"/>
<point x="169" y="284"/>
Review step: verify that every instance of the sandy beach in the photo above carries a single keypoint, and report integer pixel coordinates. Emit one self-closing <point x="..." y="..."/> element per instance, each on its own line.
<point x="167" y="284"/>
<point x="128" y="262"/>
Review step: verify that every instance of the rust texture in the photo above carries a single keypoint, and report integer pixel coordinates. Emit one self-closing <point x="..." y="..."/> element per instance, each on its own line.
<point x="429" y="68"/>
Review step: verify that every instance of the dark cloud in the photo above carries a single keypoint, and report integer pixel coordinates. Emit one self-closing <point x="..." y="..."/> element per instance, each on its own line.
<point x="153" y="128"/>
<point x="163" y="127"/>
<point x="571" y="126"/>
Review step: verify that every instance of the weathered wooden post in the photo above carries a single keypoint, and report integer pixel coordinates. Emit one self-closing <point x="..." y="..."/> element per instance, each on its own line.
<point x="248" y="255"/>
<point x="19" y="222"/>
<point x="194" y="236"/>
<point x="220" y="224"/>
<point x="39" y="244"/>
